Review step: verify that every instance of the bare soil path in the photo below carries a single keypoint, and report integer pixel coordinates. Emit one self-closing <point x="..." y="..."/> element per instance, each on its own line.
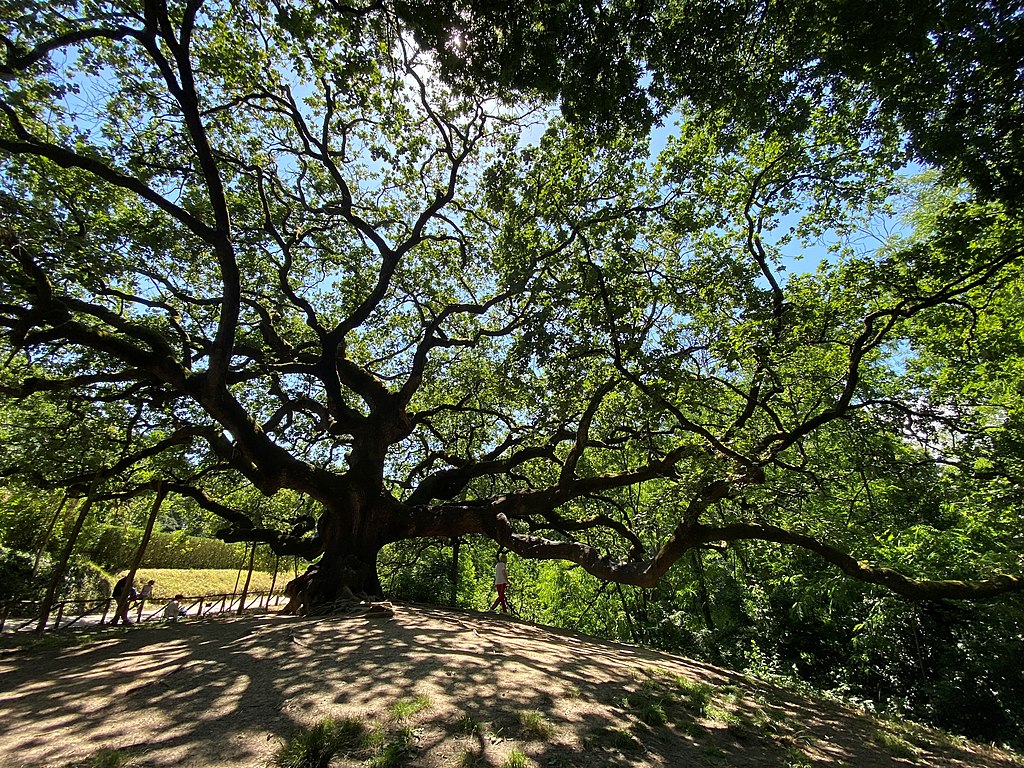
<point x="226" y="691"/>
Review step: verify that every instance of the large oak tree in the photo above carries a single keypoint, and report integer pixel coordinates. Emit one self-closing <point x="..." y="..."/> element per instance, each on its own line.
<point x="307" y="247"/>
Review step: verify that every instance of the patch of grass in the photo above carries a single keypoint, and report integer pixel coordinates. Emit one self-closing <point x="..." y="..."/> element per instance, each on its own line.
<point x="561" y="761"/>
<point x="314" y="747"/>
<point x="471" y="759"/>
<point x="106" y="758"/>
<point x="662" y="698"/>
<point x="517" y="759"/>
<point x="691" y="694"/>
<point x="646" y="706"/>
<point x="373" y="741"/>
<point x="652" y="713"/>
<point x="393" y="748"/>
<point x="795" y="759"/>
<point x="469" y="725"/>
<point x="895" y="745"/>
<point x="653" y="672"/>
<point x="695" y="696"/>
<point x="534" y="725"/>
<point x="404" y="708"/>
<point x="691" y="729"/>
<point x="764" y="722"/>
<point x="614" y="738"/>
<point x="724" y="716"/>
<point x="716" y="752"/>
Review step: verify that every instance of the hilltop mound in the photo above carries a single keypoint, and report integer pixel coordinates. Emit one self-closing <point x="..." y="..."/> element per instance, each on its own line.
<point x="433" y="688"/>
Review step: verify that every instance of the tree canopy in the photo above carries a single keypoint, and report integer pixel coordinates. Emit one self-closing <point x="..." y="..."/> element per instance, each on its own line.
<point x="357" y="254"/>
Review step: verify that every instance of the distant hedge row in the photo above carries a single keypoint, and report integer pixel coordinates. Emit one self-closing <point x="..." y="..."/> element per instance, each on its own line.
<point x="115" y="547"/>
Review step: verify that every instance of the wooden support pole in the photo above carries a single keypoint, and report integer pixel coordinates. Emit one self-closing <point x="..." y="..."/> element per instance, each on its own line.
<point x="58" y="573"/>
<point x="122" y="602"/>
<point x="248" y="577"/>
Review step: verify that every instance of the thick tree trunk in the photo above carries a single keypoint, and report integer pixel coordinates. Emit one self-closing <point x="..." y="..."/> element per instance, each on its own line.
<point x="335" y="581"/>
<point x="351" y="537"/>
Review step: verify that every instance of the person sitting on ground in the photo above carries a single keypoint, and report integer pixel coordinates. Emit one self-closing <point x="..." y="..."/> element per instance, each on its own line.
<point x="173" y="610"/>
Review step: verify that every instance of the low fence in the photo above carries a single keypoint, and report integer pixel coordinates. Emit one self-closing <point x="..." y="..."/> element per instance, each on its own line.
<point x="24" y="615"/>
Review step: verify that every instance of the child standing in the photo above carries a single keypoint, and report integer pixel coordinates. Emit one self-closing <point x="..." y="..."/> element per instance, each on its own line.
<point x="501" y="584"/>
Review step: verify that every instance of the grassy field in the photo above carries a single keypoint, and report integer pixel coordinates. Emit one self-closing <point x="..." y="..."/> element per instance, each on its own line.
<point x="203" y="581"/>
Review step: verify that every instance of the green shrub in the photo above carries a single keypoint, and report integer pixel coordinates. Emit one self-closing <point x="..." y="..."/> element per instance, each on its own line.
<point x="16" y="580"/>
<point x="24" y="518"/>
<point x="314" y="747"/>
<point x="404" y="708"/>
<point x="391" y="749"/>
<point x="417" y="572"/>
<point x="83" y="580"/>
<point x="534" y="725"/>
<point x="895" y="745"/>
<point x="421" y="572"/>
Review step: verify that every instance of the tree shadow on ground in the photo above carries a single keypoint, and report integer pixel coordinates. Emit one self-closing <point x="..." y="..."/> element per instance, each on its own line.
<point x="226" y="692"/>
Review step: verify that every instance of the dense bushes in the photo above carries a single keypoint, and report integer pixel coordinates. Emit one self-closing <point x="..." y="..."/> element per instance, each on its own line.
<point x="83" y="580"/>
<point x="950" y="664"/>
<point x="16" y="579"/>
<point x="955" y="665"/>
<point x="24" y="518"/>
<point x="422" y="572"/>
<point x="115" y="547"/>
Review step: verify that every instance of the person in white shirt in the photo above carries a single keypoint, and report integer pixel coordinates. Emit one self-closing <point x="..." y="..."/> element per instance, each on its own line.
<point x="173" y="609"/>
<point x="500" y="583"/>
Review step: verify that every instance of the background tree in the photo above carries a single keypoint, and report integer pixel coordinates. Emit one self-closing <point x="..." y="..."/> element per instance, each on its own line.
<point x="946" y="71"/>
